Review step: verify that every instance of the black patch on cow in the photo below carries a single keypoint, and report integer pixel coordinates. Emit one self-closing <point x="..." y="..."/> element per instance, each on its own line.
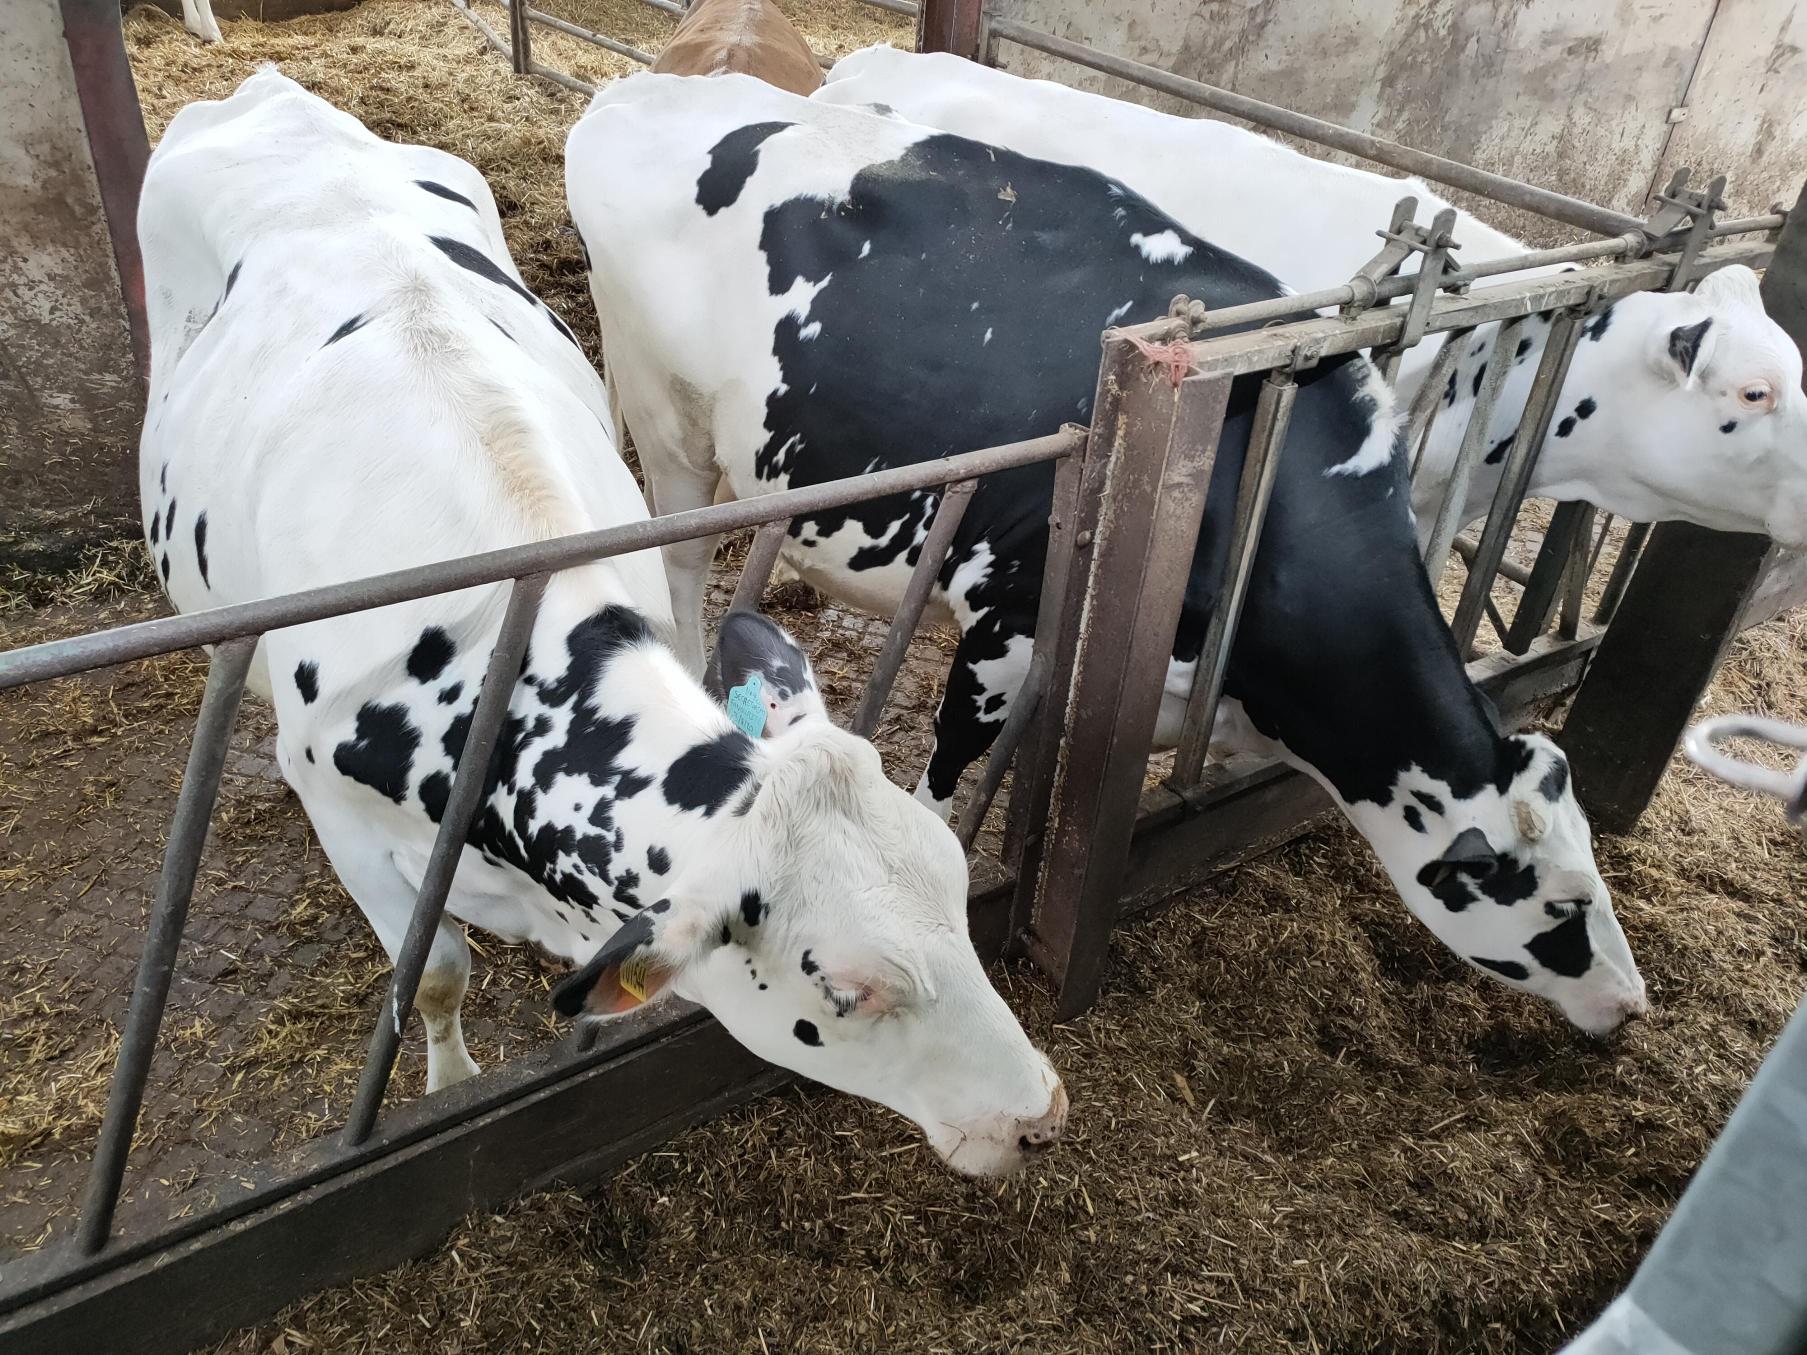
<point x="732" y="161"/>
<point x="1514" y="758"/>
<point x="749" y="643"/>
<point x="1684" y="344"/>
<point x="706" y="776"/>
<point x="1524" y="346"/>
<point x="1727" y="427"/>
<point x="1429" y="801"/>
<point x="381" y="752"/>
<point x="163" y="568"/>
<point x="1585" y="410"/>
<point x="434" y="791"/>
<point x="569" y="997"/>
<point x="431" y="653"/>
<point x="1339" y="615"/>
<point x="1555" y="781"/>
<point x="231" y="280"/>
<point x="1414" y="820"/>
<point x="1566" y="427"/>
<point x="1480" y="375"/>
<point x="810" y="967"/>
<point x="1565" y="949"/>
<point x="1500" y="448"/>
<point x="201" y="548"/>
<point x="169" y="521"/>
<point x="1596" y="328"/>
<point x="625" y="885"/>
<point x="1507" y="969"/>
<point x="156" y="527"/>
<point x="561" y="326"/>
<point x="658" y="860"/>
<point x="727" y="934"/>
<point x="806" y="1032"/>
<point x="310" y="754"/>
<point x="163" y="474"/>
<point x="351" y="326"/>
<point x="448" y="696"/>
<point x="1509" y="882"/>
<point x="505" y="334"/>
<point x="439" y="190"/>
<point x="307" y="681"/>
<point x="751" y="908"/>
<point x="481" y="264"/>
<point x="1449" y="388"/>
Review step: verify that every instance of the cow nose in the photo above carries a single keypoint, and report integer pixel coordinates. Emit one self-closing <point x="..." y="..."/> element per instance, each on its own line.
<point x="1041" y="1134"/>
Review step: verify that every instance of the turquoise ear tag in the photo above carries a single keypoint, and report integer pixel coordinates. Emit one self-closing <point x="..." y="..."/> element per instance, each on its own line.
<point x="746" y="706"/>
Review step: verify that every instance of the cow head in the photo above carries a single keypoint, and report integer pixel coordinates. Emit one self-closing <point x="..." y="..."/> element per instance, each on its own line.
<point x="1687" y="406"/>
<point x="1506" y="878"/>
<point x="827" y="932"/>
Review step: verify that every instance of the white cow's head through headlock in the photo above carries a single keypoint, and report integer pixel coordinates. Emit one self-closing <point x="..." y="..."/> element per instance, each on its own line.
<point x="1505" y="877"/>
<point x="828" y="933"/>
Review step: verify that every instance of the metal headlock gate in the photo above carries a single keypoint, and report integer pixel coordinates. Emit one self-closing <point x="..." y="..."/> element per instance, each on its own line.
<point x="1085" y="841"/>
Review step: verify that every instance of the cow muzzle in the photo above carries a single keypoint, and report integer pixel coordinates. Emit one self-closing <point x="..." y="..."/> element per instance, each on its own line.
<point x="1001" y="1147"/>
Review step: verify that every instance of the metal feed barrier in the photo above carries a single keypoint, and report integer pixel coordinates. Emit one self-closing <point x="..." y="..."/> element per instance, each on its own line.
<point x="1085" y="840"/>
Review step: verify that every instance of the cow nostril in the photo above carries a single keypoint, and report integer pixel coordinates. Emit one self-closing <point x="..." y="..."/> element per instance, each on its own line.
<point x="1037" y="1146"/>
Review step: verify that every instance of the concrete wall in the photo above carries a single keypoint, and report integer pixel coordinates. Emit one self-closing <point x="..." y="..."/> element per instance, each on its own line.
<point x="1577" y="97"/>
<point x="70" y="398"/>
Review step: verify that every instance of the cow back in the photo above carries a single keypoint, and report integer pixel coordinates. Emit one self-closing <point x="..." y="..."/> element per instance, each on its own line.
<point x="741" y="37"/>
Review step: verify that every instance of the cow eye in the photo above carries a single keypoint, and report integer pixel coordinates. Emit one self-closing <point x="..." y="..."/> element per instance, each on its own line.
<point x="1563" y="909"/>
<point x="1758" y="395"/>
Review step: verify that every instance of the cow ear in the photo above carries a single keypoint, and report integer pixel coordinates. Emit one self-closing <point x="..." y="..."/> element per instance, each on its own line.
<point x="1686" y="350"/>
<point x="637" y="964"/>
<point x="763" y="676"/>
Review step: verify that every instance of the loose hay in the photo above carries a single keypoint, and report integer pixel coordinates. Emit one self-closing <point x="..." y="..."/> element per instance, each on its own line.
<point x="1299" y="1124"/>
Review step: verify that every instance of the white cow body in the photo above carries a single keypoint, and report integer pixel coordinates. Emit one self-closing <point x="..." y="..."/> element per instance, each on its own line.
<point x="1656" y="451"/>
<point x="348" y="378"/>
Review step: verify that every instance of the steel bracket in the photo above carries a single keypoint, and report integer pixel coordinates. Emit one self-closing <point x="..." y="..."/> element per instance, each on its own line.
<point x="1682" y="209"/>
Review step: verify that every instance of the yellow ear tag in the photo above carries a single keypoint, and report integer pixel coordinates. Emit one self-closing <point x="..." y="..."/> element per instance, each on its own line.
<point x="633" y="976"/>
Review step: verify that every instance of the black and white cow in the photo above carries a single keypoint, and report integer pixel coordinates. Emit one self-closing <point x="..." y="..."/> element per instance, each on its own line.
<point x="1676" y="406"/>
<point x="796" y="292"/>
<point x="349" y="377"/>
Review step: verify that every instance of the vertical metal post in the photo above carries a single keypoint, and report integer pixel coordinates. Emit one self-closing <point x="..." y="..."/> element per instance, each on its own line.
<point x="1515" y="478"/>
<point x="1627" y="560"/>
<point x="756" y="573"/>
<point x="1575" y="577"/>
<point x="163" y="938"/>
<point x="520" y="41"/>
<point x="902" y="630"/>
<point x="1474" y="442"/>
<point x="460" y="809"/>
<point x="1564" y="543"/>
<point x="1160" y="443"/>
<point x="1677" y="615"/>
<point x="1266" y="441"/>
<point x="956" y="26"/>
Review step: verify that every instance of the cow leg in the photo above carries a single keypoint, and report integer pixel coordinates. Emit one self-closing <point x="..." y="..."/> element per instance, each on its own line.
<point x="989" y="665"/>
<point x="386" y="899"/>
<point x="687" y="562"/>
<point x="197" y="18"/>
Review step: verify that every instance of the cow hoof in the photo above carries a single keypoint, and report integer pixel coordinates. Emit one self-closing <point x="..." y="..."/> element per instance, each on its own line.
<point x="449" y="1071"/>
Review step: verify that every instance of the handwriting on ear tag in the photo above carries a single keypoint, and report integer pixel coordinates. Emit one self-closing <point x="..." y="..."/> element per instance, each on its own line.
<point x="746" y="706"/>
<point x="632" y="976"/>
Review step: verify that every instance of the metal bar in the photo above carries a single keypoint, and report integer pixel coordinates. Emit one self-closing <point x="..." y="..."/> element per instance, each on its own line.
<point x="564" y="26"/>
<point x="756" y="573"/>
<point x="1633" y="546"/>
<point x="122" y="644"/>
<point x="1574" y="579"/>
<point x="1466" y="546"/>
<point x="1564" y="542"/>
<point x="1267" y="440"/>
<point x="1161" y="445"/>
<point x="1022" y="709"/>
<point x="163" y="938"/>
<point x="1512" y="192"/>
<point x="1258" y="348"/>
<point x="1453" y="508"/>
<point x="560" y="78"/>
<point x="520" y="41"/>
<point x="908" y="7"/>
<point x="669" y="6"/>
<point x="956" y="26"/>
<point x="933" y="555"/>
<point x="448" y="845"/>
<point x="1601" y="533"/>
<point x="1515" y="477"/>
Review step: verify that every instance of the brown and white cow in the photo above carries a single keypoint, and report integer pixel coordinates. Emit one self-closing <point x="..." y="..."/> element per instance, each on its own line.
<point x="741" y="37"/>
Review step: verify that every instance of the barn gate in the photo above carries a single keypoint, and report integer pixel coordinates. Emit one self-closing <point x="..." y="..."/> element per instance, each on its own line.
<point x="1088" y="837"/>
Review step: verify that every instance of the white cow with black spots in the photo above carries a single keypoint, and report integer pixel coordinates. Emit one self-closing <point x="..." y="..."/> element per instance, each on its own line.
<point x="1694" y="408"/>
<point x="796" y="292"/>
<point x="349" y="377"/>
